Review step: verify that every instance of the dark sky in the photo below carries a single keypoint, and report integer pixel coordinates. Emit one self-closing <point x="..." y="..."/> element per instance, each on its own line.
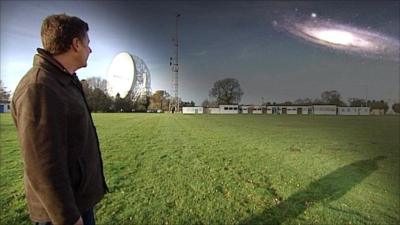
<point x="218" y="39"/>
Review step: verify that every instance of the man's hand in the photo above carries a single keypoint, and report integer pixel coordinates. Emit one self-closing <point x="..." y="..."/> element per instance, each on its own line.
<point x="79" y="222"/>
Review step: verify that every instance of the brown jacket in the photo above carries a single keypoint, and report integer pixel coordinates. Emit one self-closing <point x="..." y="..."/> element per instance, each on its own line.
<point x="63" y="169"/>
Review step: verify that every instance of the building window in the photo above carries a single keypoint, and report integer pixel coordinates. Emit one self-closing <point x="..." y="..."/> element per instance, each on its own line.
<point x="225" y="108"/>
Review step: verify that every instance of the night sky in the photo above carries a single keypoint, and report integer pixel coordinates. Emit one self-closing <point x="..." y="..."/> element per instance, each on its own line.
<point x="274" y="49"/>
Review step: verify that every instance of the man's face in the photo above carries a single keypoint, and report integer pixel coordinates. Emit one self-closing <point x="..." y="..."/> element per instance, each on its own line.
<point x="84" y="51"/>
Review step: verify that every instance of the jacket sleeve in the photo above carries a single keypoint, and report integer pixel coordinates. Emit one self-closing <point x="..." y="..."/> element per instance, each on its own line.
<point x="42" y="128"/>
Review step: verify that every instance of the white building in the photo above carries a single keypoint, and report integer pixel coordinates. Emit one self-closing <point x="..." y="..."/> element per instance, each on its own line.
<point x="289" y="109"/>
<point x="4" y="106"/>
<point x="304" y="110"/>
<point x="257" y="109"/>
<point x="213" y="110"/>
<point x="229" y="109"/>
<point x="192" y="110"/>
<point x="245" y="109"/>
<point x="252" y="109"/>
<point x="273" y="110"/>
<point x="353" y="111"/>
<point x="324" y="109"/>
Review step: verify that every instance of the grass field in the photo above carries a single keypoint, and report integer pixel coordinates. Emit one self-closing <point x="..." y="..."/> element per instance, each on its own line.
<point x="234" y="169"/>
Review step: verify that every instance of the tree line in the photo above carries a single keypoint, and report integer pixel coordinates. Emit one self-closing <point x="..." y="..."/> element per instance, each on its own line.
<point x="100" y="101"/>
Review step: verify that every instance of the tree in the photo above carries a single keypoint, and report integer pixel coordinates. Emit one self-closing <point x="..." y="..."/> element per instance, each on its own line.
<point x="205" y="103"/>
<point x="378" y="105"/>
<point x="142" y="104"/>
<point x="287" y="103"/>
<point x="117" y="106"/>
<point x="97" y="99"/>
<point x="332" y="97"/>
<point x="4" y="94"/>
<point x="356" y="102"/>
<point x="123" y="104"/>
<point x="317" y="101"/>
<point x="299" y="102"/>
<point x="209" y="104"/>
<point x="396" y="107"/>
<point x="306" y="101"/>
<point x="187" y="104"/>
<point x="160" y="100"/>
<point x="97" y="82"/>
<point x="227" y="91"/>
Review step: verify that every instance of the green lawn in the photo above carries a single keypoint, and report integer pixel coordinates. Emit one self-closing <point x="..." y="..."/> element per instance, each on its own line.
<point x="234" y="169"/>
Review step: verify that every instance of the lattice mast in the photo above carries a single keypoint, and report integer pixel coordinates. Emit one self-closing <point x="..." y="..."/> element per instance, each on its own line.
<point x="174" y="64"/>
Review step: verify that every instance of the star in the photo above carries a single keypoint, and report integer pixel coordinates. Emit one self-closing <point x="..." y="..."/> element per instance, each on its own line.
<point x="313" y="15"/>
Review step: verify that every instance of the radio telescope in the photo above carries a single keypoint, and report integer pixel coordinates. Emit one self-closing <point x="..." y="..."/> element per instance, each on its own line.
<point x="128" y="74"/>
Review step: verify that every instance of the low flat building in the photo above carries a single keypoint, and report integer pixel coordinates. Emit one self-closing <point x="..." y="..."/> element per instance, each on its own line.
<point x="289" y="109"/>
<point x="272" y="109"/>
<point x="252" y="109"/>
<point x="304" y="110"/>
<point x="353" y="111"/>
<point x="324" y="109"/>
<point x="229" y="109"/>
<point x="257" y="109"/>
<point x="213" y="110"/>
<point x="192" y="110"/>
<point x="245" y="109"/>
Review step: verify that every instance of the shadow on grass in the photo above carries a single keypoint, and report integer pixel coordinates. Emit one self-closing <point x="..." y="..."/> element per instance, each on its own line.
<point x="328" y="188"/>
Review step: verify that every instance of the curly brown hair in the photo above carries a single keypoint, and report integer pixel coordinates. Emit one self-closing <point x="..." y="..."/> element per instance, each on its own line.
<point x="59" y="30"/>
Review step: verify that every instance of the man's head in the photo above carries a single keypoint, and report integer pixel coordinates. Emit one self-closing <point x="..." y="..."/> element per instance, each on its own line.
<point x="63" y="34"/>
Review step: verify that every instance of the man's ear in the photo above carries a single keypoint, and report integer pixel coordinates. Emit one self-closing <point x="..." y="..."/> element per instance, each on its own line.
<point x="75" y="44"/>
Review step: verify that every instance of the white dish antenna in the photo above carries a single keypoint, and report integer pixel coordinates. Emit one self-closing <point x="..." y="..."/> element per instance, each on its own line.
<point x="120" y="75"/>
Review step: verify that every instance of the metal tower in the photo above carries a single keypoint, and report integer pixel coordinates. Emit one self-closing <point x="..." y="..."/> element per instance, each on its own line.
<point x="174" y="105"/>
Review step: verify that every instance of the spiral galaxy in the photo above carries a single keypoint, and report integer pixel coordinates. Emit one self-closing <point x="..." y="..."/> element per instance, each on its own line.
<point x="347" y="38"/>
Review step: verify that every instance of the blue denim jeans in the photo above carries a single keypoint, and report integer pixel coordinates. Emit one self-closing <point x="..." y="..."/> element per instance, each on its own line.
<point x="88" y="219"/>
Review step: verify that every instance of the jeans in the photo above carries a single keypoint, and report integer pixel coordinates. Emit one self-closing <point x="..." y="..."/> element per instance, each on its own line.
<point x="88" y="219"/>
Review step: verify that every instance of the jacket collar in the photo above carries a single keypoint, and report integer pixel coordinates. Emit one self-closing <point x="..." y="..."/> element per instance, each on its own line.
<point x="44" y="59"/>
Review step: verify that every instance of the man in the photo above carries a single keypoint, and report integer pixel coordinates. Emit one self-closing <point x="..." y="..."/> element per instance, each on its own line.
<point x="63" y="169"/>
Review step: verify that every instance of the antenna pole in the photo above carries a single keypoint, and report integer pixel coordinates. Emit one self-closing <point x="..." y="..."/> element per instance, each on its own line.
<point x="174" y="63"/>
